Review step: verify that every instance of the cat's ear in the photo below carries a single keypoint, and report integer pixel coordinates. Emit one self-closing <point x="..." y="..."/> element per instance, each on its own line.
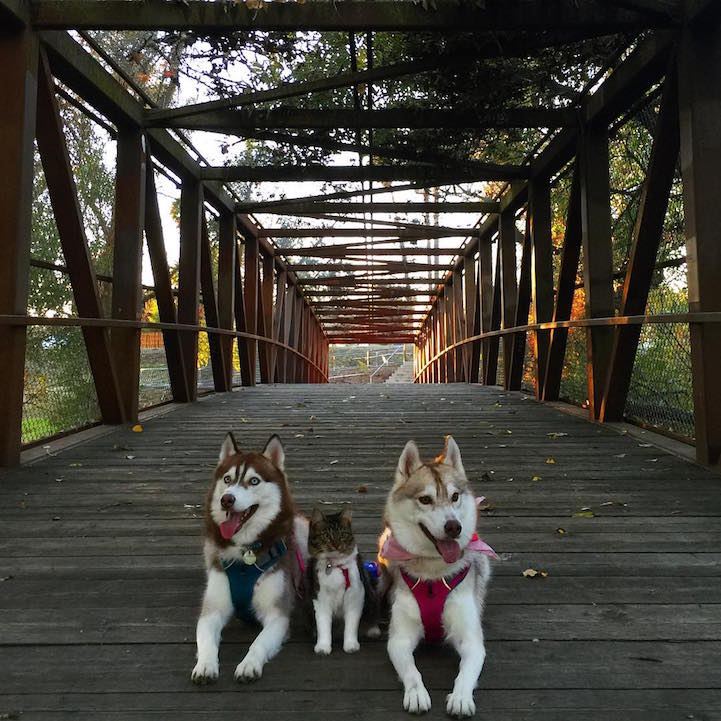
<point x="316" y="517"/>
<point x="346" y="515"/>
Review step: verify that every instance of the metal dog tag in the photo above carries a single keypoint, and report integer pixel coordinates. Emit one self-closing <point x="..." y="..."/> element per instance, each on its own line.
<point x="328" y="569"/>
<point x="249" y="557"/>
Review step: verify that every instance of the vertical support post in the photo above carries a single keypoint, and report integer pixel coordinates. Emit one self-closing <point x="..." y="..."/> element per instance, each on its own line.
<point x="539" y="212"/>
<point x="298" y="328"/>
<point x="191" y="210"/>
<point x="19" y="59"/>
<point x="473" y="316"/>
<point x="68" y="218"/>
<point x="509" y="285"/>
<point x="247" y="377"/>
<point x="210" y="308"/>
<point x="441" y="334"/>
<point x="565" y="292"/>
<point x="644" y="249"/>
<point x="163" y="288"/>
<point x="128" y="264"/>
<point x="597" y="257"/>
<point x="265" y="319"/>
<point x="287" y="365"/>
<point x="279" y="323"/>
<point x="493" y="344"/>
<point x="523" y="304"/>
<point x="700" y="110"/>
<point x="485" y="299"/>
<point x="459" y="322"/>
<point x="250" y="295"/>
<point x="227" y="248"/>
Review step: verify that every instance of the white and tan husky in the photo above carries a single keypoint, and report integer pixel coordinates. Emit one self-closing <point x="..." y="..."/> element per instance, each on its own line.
<point x="255" y="549"/>
<point x="439" y="571"/>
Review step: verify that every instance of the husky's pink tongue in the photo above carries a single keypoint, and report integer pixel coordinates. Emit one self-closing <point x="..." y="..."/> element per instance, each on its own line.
<point x="229" y="527"/>
<point x="450" y="550"/>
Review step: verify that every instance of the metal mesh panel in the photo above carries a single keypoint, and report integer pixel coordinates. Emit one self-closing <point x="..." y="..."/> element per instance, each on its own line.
<point x="59" y="393"/>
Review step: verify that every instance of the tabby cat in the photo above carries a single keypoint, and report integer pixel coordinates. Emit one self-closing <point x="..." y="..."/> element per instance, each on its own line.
<point x="338" y="581"/>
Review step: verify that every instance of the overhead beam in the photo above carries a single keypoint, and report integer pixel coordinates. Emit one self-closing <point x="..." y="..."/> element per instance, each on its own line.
<point x="232" y="121"/>
<point x="420" y="233"/>
<point x="536" y="16"/>
<point x="484" y="206"/>
<point x="425" y="176"/>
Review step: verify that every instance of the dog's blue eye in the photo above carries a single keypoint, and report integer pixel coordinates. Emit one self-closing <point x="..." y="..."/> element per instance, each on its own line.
<point x="455" y="497"/>
<point x="227" y="480"/>
<point x="425" y="500"/>
<point x="254" y="481"/>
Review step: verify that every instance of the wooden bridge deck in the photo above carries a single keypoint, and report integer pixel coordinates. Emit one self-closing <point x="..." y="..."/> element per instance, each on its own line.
<point x="101" y="574"/>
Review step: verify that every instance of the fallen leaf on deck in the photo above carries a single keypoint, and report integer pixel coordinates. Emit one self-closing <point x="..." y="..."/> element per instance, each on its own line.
<point x="536" y="478"/>
<point x="550" y="461"/>
<point x="137" y="428"/>
<point x="298" y="435"/>
<point x="561" y="531"/>
<point x="361" y="489"/>
<point x="645" y="445"/>
<point x="533" y="573"/>
<point x="313" y="419"/>
<point x="510" y="433"/>
<point x="130" y="458"/>
<point x="486" y="505"/>
<point x="6" y="578"/>
<point x="556" y="434"/>
<point x="167" y="443"/>
<point x="244" y="420"/>
<point x="334" y="461"/>
<point x="584" y="514"/>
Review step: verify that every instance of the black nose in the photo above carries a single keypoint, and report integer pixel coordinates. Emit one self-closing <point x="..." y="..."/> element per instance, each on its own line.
<point x="452" y="529"/>
<point x="227" y="500"/>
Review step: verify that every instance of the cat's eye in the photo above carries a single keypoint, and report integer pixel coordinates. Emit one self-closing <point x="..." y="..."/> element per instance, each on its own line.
<point x="227" y="479"/>
<point x="455" y="497"/>
<point x="254" y="481"/>
<point x="425" y="500"/>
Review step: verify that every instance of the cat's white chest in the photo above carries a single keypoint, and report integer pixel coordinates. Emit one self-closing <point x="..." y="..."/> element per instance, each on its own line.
<point x="333" y="586"/>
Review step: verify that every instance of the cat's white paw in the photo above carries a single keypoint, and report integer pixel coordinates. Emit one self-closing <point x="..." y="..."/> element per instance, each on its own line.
<point x="416" y="699"/>
<point x="460" y="704"/>
<point x="373" y="632"/>
<point x="322" y="649"/>
<point x="351" y="646"/>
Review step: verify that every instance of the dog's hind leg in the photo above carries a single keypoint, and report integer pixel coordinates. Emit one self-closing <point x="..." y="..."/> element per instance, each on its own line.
<point x="216" y="612"/>
<point x="462" y="622"/>
<point x="404" y="633"/>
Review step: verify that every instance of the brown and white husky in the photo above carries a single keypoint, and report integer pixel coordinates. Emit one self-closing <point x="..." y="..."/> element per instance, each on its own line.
<point x="439" y="570"/>
<point x="255" y="550"/>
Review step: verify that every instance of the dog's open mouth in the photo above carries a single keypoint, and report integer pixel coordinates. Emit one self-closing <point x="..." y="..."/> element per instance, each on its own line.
<point x="447" y="548"/>
<point x="234" y="521"/>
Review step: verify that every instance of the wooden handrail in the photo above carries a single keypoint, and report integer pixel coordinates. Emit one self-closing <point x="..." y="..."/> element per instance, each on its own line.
<point x="713" y="317"/>
<point x="118" y="323"/>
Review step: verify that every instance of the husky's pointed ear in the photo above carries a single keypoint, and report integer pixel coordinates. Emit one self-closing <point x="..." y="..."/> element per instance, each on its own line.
<point x="409" y="462"/>
<point x="229" y="447"/>
<point x="346" y="515"/>
<point x="274" y="452"/>
<point x="452" y="455"/>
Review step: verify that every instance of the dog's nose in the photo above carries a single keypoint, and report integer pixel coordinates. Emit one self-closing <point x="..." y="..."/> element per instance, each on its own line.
<point x="452" y="529"/>
<point x="227" y="500"/>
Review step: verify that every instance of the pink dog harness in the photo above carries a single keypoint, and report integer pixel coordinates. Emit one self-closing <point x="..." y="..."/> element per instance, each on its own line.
<point x="431" y="596"/>
<point x="431" y="599"/>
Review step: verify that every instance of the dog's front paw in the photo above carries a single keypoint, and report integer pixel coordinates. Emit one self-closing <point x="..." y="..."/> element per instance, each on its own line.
<point x="351" y="646"/>
<point x="204" y="672"/>
<point x="322" y="648"/>
<point x="460" y="704"/>
<point x="416" y="699"/>
<point x="249" y="669"/>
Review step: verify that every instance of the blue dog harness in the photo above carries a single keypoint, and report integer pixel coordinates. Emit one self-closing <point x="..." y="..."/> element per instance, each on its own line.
<point x="242" y="578"/>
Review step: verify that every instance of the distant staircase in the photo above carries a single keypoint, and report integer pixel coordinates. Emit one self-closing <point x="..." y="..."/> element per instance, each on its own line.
<point x="403" y="374"/>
